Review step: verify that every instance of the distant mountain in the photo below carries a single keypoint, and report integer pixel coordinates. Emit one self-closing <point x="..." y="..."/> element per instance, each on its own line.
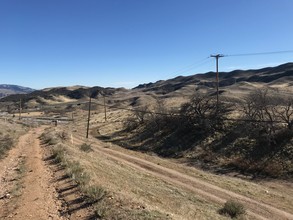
<point x="6" y="90"/>
<point x="59" y="94"/>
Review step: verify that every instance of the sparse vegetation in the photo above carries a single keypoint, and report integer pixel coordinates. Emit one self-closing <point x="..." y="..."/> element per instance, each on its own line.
<point x="93" y="194"/>
<point x="9" y="134"/>
<point x="58" y="153"/>
<point x="86" y="147"/>
<point x="77" y="173"/>
<point x="233" y="209"/>
<point x="16" y="190"/>
<point x="6" y="143"/>
<point x="260" y="143"/>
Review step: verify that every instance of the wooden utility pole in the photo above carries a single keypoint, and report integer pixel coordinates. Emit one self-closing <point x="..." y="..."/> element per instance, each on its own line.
<point x="88" y="119"/>
<point x="217" y="56"/>
<point x="19" y="109"/>
<point x="105" y="110"/>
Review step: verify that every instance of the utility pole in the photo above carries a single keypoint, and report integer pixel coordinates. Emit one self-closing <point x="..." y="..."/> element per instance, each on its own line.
<point x="217" y="56"/>
<point x="88" y="119"/>
<point x="105" y="110"/>
<point x="19" y="109"/>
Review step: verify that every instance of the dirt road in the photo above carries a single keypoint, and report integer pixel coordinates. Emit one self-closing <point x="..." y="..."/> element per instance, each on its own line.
<point x="36" y="197"/>
<point x="256" y="209"/>
<point x="31" y="189"/>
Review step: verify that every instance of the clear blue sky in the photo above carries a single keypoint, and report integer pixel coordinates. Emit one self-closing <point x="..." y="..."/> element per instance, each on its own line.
<point x="46" y="43"/>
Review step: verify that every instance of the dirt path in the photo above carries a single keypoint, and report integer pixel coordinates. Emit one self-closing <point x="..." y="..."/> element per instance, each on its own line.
<point x="33" y="187"/>
<point x="256" y="209"/>
<point x="37" y="197"/>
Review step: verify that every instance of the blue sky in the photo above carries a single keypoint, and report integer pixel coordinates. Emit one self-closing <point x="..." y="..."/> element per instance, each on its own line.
<point x="122" y="43"/>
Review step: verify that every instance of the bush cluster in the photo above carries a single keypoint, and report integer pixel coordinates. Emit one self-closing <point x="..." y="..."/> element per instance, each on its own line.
<point x="233" y="209"/>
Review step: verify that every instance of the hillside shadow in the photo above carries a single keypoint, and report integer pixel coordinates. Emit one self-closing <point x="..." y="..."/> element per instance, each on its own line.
<point x="169" y="143"/>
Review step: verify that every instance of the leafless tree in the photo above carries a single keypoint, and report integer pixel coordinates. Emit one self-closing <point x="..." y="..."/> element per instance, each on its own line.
<point x="204" y="111"/>
<point x="141" y="113"/>
<point x="285" y="112"/>
<point x="267" y="110"/>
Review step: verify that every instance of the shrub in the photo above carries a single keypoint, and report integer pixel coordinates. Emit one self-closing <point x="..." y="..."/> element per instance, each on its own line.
<point x="94" y="193"/>
<point x="77" y="173"/>
<point x="5" y="144"/>
<point x="100" y="211"/>
<point x="86" y="147"/>
<point x="49" y="139"/>
<point x="58" y="153"/>
<point x="63" y="136"/>
<point x="232" y="208"/>
<point x="130" y="124"/>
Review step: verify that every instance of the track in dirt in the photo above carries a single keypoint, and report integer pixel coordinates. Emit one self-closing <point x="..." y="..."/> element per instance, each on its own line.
<point x="45" y="193"/>
<point x="37" y="199"/>
<point x="256" y="209"/>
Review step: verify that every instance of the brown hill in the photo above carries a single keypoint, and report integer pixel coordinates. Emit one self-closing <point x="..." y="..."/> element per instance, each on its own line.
<point x="233" y="85"/>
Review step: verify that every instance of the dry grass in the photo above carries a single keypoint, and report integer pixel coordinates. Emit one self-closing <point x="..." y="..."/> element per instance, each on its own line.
<point x="279" y="194"/>
<point x="16" y="190"/>
<point x="140" y="195"/>
<point x="104" y="200"/>
<point x="9" y="134"/>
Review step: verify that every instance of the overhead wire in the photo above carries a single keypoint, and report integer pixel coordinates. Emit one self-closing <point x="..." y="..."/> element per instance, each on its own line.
<point x="258" y="53"/>
<point x="187" y="68"/>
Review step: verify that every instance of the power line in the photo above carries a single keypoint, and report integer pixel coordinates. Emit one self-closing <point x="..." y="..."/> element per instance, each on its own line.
<point x="259" y="53"/>
<point x="192" y="66"/>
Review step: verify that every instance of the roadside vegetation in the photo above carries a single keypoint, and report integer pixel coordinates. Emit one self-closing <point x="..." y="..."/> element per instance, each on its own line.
<point x="254" y="136"/>
<point x="98" y="197"/>
<point x="233" y="209"/>
<point x="9" y="134"/>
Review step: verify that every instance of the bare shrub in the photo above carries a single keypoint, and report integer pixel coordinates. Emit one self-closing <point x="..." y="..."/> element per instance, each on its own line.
<point x="86" y="147"/>
<point x="63" y="135"/>
<point x="49" y="138"/>
<point x="141" y="113"/>
<point x="205" y="113"/>
<point x="59" y="153"/>
<point x="77" y="173"/>
<point x="285" y="112"/>
<point x="232" y="208"/>
<point x="6" y="142"/>
<point x="130" y="123"/>
<point x="267" y="112"/>
<point x="94" y="193"/>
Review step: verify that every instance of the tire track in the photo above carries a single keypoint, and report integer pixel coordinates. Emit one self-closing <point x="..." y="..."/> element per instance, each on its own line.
<point x="211" y="192"/>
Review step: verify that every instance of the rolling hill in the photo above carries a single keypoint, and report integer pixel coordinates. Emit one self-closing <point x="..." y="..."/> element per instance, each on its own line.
<point x="233" y="85"/>
<point x="271" y="76"/>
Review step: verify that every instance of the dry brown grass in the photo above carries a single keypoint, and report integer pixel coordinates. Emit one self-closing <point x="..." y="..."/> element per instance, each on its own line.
<point x="279" y="194"/>
<point x="9" y="134"/>
<point x="110" y="205"/>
